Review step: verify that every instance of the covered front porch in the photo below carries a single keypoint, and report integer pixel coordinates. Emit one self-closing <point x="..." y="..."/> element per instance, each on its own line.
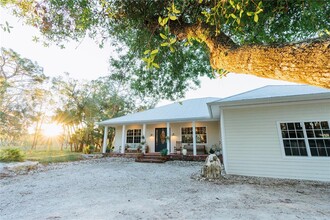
<point x="176" y="139"/>
<point x="157" y="156"/>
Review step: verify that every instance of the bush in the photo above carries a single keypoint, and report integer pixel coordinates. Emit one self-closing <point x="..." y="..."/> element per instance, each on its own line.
<point x="11" y="155"/>
<point x="109" y="149"/>
<point x="91" y="149"/>
<point x="163" y="152"/>
<point x="86" y="150"/>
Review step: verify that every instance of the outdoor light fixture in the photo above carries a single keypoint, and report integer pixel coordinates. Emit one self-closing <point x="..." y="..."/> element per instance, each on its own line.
<point x="173" y="134"/>
<point x="150" y="135"/>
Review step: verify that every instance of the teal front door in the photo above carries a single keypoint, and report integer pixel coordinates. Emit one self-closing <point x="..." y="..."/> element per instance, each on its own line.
<point x="160" y="139"/>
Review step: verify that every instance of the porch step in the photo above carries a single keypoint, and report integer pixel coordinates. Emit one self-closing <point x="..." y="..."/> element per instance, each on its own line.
<point x="151" y="158"/>
<point x="152" y="154"/>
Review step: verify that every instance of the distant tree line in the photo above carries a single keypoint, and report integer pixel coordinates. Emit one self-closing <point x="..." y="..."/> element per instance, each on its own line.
<point x="28" y="99"/>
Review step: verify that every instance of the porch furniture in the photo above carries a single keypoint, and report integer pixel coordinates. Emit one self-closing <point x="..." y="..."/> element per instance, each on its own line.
<point x="178" y="147"/>
<point x="200" y="149"/>
<point x="133" y="149"/>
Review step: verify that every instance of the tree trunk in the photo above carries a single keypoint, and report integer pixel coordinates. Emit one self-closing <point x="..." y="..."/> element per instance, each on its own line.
<point x="307" y="62"/>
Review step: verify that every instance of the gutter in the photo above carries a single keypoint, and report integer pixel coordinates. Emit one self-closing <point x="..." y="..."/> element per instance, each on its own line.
<point x="177" y="120"/>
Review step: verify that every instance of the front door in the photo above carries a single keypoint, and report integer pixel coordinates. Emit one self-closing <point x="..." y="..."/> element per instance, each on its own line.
<point x="160" y="139"/>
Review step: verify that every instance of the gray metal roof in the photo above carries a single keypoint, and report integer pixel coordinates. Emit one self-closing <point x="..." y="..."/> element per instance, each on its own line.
<point x="271" y="95"/>
<point x="188" y="110"/>
<point x="273" y="91"/>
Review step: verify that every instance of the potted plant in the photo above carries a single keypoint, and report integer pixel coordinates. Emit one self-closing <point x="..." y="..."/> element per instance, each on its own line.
<point x="139" y="148"/>
<point x="146" y="148"/>
<point x="163" y="152"/>
<point x="126" y="147"/>
<point x="218" y="150"/>
<point x="184" y="151"/>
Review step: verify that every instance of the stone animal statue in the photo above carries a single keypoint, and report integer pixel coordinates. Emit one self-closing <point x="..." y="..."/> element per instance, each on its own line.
<point x="212" y="167"/>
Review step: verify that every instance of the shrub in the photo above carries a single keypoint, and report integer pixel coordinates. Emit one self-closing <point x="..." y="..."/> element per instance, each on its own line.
<point x="11" y="155"/>
<point x="91" y="149"/>
<point x="163" y="152"/>
<point x="86" y="150"/>
<point x="110" y="149"/>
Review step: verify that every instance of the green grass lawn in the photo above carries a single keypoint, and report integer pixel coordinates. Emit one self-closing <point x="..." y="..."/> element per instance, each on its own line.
<point x="52" y="156"/>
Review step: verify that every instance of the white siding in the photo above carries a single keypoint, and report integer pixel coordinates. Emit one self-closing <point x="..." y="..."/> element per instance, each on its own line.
<point x="253" y="143"/>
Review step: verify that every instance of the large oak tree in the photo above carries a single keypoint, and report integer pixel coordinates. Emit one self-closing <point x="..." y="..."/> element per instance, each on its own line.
<point x="284" y="39"/>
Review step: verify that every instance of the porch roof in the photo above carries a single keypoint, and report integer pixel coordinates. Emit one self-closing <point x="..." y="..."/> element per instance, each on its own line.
<point x="188" y="110"/>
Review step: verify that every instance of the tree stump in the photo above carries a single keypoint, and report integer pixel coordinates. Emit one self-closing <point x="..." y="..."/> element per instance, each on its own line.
<point x="212" y="167"/>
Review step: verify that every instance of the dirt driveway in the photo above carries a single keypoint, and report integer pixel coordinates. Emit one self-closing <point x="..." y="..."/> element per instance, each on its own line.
<point x="115" y="188"/>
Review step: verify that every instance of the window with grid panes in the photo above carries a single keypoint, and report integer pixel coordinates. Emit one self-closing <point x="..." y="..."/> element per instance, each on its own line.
<point x="133" y="136"/>
<point x="306" y="138"/>
<point x="318" y="136"/>
<point x="187" y="135"/>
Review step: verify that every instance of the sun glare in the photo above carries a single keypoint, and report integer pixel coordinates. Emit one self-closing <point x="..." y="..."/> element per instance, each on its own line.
<point x="52" y="130"/>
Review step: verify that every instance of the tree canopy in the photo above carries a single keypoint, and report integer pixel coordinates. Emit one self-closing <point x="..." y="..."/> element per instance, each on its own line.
<point x="21" y="94"/>
<point x="28" y="99"/>
<point x="182" y="40"/>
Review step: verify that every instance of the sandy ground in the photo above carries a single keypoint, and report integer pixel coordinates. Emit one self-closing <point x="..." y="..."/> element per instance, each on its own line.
<point x="116" y="188"/>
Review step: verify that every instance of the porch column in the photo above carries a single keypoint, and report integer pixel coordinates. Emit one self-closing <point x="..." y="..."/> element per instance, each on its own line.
<point x="168" y="141"/>
<point x="123" y="139"/>
<point x="194" y="138"/>
<point x="223" y="143"/>
<point x="144" y="131"/>
<point x="105" y="138"/>
<point x="144" y="139"/>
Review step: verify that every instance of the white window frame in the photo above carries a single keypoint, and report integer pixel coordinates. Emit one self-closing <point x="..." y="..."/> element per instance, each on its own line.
<point x="206" y="133"/>
<point x="133" y="136"/>
<point x="309" y="156"/>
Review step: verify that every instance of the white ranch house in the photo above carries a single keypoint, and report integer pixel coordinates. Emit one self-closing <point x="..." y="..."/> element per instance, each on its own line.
<point x="273" y="131"/>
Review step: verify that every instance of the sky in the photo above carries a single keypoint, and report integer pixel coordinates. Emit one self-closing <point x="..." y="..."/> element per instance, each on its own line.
<point x="85" y="60"/>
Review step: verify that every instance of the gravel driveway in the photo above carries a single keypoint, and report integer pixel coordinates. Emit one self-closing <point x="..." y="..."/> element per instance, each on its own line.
<point x="116" y="188"/>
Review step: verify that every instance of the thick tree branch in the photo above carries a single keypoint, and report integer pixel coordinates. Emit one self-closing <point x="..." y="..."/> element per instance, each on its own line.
<point x="307" y="62"/>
